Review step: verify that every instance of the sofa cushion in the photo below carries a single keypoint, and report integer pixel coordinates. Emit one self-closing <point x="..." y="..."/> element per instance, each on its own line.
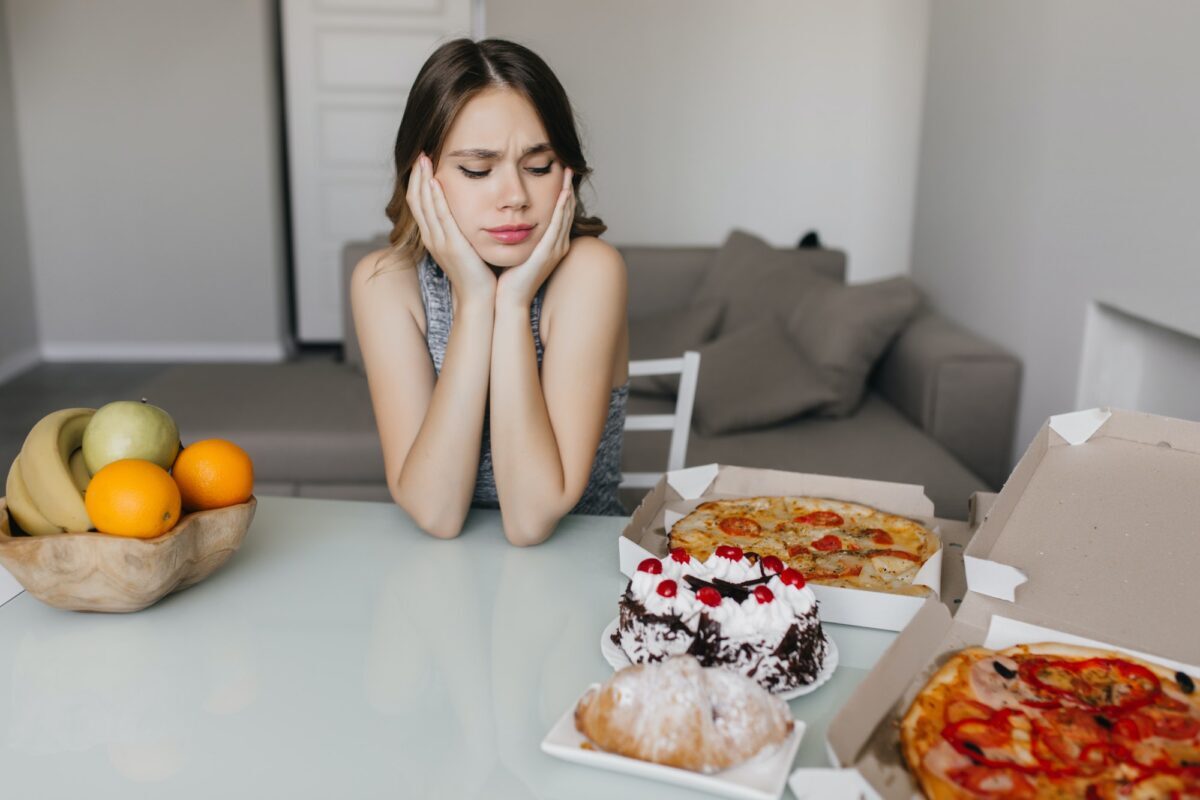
<point x="755" y="376"/>
<point x="301" y="421"/>
<point x="663" y="278"/>
<point x="754" y="278"/>
<point x="876" y="443"/>
<point x="668" y="335"/>
<point x="844" y="329"/>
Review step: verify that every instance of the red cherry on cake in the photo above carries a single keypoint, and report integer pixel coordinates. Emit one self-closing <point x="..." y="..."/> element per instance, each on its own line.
<point x="651" y="565"/>
<point x="667" y="588"/>
<point x="730" y="551"/>
<point x="763" y="595"/>
<point x="792" y="577"/>
<point x="709" y="596"/>
<point x="772" y="564"/>
<point x="680" y="555"/>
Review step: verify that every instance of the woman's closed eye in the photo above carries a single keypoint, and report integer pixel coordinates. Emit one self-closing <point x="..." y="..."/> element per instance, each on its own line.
<point x="484" y="173"/>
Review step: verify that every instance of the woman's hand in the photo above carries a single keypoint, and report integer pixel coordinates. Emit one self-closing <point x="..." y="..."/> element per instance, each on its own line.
<point x="518" y="285"/>
<point x="470" y="277"/>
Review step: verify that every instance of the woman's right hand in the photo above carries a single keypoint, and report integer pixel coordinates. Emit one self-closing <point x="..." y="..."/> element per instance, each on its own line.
<point x="470" y="277"/>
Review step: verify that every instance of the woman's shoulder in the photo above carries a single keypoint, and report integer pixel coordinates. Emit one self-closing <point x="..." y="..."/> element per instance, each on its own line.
<point x="589" y="279"/>
<point x="379" y="262"/>
<point x="590" y="265"/>
<point x="389" y="278"/>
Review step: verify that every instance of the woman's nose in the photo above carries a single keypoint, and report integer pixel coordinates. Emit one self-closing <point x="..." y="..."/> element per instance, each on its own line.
<point x="512" y="190"/>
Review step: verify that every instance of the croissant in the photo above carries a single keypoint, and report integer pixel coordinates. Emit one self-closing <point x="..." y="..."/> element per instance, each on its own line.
<point x="678" y="713"/>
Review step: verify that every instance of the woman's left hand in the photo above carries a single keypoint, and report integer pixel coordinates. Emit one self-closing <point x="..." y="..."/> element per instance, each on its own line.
<point x="519" y="284"/>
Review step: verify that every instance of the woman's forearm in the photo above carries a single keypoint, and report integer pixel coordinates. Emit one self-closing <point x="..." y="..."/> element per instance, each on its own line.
<point x="525" y="457"/>
<point x="437" y="480"/>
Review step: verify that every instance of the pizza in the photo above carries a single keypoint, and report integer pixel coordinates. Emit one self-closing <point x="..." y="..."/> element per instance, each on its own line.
<point x="829" y="541"/>
<point x="1054" y="721"/>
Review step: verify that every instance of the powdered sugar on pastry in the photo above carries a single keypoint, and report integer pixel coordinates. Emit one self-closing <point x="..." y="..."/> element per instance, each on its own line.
<point x="678" y="713"/>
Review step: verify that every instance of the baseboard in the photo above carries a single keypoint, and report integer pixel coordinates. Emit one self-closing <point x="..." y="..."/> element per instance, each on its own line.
<point x="165" y="351"/>
<point x="18" y="362"/>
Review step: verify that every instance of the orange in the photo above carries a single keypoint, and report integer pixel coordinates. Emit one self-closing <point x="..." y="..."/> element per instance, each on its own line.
<point x="133" y="497"/>
<point x="213" y="473"/>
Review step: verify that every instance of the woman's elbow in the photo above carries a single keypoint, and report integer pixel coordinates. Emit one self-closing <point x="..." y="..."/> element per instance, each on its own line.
<point x="433" y="521"/>
<point x="442" y="529"/>
<point x="528" y="532"/>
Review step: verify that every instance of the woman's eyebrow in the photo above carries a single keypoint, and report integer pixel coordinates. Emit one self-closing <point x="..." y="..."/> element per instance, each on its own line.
<point x="479" y="152"/>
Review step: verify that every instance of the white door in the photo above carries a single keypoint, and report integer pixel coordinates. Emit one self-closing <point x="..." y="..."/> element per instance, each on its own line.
<point x="347" y="69"/>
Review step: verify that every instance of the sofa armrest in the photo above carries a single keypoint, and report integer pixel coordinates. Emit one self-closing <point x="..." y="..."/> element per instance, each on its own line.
<point x="958" y="387"/>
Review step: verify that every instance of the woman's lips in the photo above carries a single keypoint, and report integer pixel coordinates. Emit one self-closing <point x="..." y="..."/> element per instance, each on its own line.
<point x="511" y="237"/>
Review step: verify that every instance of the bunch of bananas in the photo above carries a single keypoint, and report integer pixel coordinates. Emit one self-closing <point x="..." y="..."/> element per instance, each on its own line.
<point x="48" y="478"/>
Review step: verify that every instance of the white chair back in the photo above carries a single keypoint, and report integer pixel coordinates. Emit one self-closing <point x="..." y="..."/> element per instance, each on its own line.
<point x="679" y="423"/>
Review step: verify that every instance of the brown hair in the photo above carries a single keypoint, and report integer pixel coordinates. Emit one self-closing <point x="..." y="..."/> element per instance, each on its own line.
<point x="452" y="75"/>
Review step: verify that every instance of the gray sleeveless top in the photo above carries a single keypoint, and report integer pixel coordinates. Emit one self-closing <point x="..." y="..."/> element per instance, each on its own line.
<point x="600" y="496"/>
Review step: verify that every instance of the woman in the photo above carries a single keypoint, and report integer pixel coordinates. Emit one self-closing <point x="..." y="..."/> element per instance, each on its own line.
<point x="493" y="328"/>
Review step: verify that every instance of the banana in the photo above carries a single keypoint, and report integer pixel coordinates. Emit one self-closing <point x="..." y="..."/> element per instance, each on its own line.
<point x="21" y="507"/>
<point x="79" y="470"/>
<point x="45" y="467"/>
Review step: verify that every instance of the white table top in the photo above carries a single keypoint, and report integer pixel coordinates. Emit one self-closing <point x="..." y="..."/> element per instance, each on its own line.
<point x="340" y="653"/>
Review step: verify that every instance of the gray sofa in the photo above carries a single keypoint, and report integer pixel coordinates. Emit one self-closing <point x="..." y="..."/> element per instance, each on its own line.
<point x="939" y="410"/>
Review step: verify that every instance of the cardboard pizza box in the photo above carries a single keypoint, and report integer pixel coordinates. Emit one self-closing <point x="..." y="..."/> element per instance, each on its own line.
<point x="1093" y="539"/>
<point x="680" y="491"/>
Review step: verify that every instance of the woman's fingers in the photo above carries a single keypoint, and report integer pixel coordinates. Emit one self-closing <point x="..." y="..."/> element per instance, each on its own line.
<point x="442" y="209"/>
<point x="414" y="200"/>
<point x="432" y="219"/>
<point x="567" y="213"/>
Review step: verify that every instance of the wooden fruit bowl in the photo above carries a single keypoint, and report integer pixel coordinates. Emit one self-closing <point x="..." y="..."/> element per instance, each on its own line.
<point x="99" y="572"/>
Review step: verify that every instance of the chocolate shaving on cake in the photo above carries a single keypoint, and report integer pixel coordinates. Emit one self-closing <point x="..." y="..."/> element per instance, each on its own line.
<point x="737" y="591"/>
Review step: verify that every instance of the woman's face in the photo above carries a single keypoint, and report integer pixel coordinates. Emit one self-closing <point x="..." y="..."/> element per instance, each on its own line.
<point x="497" y="169"/>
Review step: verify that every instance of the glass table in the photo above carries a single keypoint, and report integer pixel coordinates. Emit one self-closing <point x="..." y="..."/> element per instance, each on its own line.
<point x="341" y="653"/>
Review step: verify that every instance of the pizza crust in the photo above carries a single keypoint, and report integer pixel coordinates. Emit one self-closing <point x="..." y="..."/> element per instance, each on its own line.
<point x="920" y="728"/>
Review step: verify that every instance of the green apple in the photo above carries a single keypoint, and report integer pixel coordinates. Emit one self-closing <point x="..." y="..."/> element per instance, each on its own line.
<point x="129" y="429"/>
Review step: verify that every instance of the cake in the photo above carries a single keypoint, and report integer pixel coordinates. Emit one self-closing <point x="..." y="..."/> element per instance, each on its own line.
<point x="753" y="616"/>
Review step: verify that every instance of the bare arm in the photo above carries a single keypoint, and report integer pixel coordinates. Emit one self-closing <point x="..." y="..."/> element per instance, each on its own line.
<point x="545" y="429"/>
<point x="429" y="426"/>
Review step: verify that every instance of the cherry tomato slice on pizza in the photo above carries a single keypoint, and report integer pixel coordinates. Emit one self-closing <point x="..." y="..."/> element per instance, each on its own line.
<point x="879" y="536"/>
<point x="827" y="543"/>
<point x="740" y="526"/>
<point x="821" y="519"/>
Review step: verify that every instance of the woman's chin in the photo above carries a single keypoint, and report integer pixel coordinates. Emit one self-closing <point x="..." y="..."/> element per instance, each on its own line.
<point x="504" y="256"/>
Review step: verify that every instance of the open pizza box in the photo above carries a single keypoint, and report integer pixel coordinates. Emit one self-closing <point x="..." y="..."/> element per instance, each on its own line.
<point x="678" y="492"/>
<point x="1094" y="539"/>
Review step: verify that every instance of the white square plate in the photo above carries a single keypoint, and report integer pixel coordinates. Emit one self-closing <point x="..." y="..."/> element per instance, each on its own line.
<point x="761" y="778"/>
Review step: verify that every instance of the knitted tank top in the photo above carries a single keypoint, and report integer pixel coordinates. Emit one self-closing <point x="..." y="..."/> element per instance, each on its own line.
<point x="600" y="496"/>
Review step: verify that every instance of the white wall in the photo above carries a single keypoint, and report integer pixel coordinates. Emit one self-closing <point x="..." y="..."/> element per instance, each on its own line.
<point x="779" y="116"/>
<point x="1059" y="166"/>
<point x="18" y="327"/>
<point x="150" y="156"/>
